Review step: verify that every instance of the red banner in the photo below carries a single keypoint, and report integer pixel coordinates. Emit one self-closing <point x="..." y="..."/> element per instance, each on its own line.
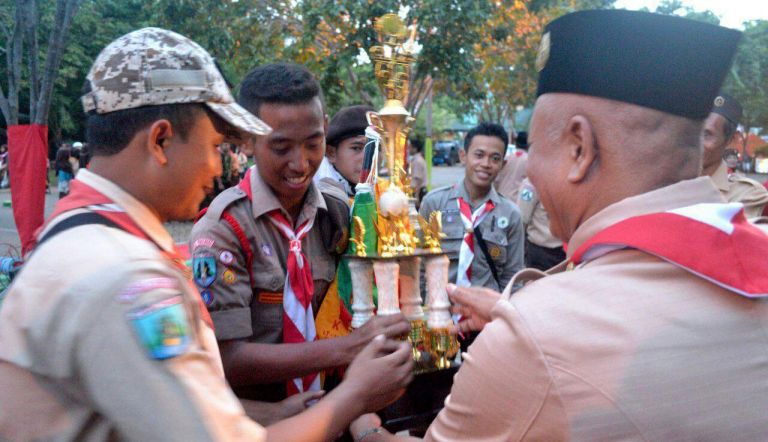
<point x="27" y="151"/>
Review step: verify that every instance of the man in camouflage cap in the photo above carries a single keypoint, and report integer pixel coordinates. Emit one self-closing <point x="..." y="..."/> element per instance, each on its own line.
<point x="114" y="342"/>
<point x="719" y="130"/>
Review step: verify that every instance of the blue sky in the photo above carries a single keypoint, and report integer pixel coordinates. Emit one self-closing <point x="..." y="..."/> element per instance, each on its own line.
<point x="732" y="13"/>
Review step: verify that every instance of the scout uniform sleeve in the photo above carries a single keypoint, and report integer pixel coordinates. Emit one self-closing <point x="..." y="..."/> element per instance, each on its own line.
<point x="515" y="249"/>
<point x="428" y="205"/>
<point x="142" y="364"/>
<point x="502" y="395"/>
<point x="750" y="193"/>
<point x="221" y="273"/>
<point x="526" y="201"/>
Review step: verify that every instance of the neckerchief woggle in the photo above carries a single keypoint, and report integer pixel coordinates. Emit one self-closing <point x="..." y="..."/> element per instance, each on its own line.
<point x="83" y="196"/>
<point x="713" y="241"/>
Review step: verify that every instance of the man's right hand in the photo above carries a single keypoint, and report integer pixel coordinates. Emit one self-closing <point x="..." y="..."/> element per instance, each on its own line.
<point x="391" y="326"/>
<point x="379" y="373"/>
<point x="474" y="304"/>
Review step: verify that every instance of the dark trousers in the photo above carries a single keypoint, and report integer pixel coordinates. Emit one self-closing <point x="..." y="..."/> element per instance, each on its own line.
<point x="542" y="258"/>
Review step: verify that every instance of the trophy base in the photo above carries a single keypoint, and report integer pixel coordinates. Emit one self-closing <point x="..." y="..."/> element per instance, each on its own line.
<point x="443" y="347"/>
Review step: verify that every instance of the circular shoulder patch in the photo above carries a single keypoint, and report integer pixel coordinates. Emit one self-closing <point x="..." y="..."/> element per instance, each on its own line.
<point x="526" y="194"/>
<point x="226" y="257"/>
<point x="228" y="276"/>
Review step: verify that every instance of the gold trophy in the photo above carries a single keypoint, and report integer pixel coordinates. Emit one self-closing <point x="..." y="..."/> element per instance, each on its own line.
<point x="397" y="260"/>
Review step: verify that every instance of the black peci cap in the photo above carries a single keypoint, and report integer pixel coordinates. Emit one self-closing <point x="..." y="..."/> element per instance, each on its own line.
<point x="667" y="63"/>
<point x="728" y="106"/>
<point x="348" y="122"/>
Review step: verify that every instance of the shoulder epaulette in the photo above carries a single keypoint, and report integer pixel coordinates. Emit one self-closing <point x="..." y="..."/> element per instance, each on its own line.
<point x="224" y="200"/>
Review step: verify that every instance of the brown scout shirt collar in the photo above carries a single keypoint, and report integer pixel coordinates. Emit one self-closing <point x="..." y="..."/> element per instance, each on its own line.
<point x="135" y="209"/>
<point x="681" y="194"/>
<point x="265" y="201"/>
<point x="720" y="177"/>
<point x="460" y="190"/>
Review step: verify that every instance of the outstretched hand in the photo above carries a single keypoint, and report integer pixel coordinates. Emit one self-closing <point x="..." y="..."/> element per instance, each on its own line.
<point x="474" y="304"/>
<point x="380" y="373"/>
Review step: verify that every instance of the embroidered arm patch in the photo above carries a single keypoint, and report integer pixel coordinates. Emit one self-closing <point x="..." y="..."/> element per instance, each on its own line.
<point x="162" y="328"/>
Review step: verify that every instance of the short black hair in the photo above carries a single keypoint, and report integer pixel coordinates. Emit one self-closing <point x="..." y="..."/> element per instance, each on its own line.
<point x="108" y="134"/>
<point x="417" y="143"/>
<point x="280" y="83"/>
<point x="489" y="130"/>
<point x="729" y="128"/>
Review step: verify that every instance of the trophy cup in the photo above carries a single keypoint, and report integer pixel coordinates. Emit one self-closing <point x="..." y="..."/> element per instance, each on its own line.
<point x="385" y="244"/>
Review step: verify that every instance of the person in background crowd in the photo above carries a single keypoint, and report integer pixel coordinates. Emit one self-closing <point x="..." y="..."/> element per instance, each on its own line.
<point x="719" y="129"/>
<point x="418" y="170"/>
<point x="74" y="160"/>
<point x="512" y="174"/>
<point x="483" y="229"/>
<point x="542" y="249"/>
<point x="64" y="172"/>
<point x="242" y="162"/>
<point x="345" y="142"/>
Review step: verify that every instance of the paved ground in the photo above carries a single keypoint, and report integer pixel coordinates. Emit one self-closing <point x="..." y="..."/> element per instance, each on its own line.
<point x="9" y="240"/>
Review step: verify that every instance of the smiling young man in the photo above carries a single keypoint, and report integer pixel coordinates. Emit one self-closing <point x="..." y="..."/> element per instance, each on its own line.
<point x="481" y="225"/>
<point x="271" y="246"/>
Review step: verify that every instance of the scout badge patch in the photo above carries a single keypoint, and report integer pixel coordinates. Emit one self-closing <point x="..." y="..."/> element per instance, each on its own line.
<point x="162" y="328"/>
<point x="229" y="277"/>
<point x="204" y="270"/>
<point x="226" y="257"/>
<point x="207" y="296"/>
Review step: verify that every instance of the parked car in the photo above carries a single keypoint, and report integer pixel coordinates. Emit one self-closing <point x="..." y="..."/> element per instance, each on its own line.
<point x="445" y="152"/>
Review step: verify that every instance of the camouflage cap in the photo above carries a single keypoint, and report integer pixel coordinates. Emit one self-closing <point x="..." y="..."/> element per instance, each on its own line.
<point x="153" y="66"/>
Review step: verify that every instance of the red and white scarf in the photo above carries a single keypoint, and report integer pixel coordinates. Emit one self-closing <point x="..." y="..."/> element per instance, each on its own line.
<point x="83" y="196"/>
<point x="298" y="317"/>
<point x="467" y="250"/>
<point x="712" y="241"/>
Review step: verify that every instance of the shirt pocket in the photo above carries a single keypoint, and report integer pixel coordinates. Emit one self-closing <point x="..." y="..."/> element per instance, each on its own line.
<point x="497" y="243"/>
<point x="454" y="235"/>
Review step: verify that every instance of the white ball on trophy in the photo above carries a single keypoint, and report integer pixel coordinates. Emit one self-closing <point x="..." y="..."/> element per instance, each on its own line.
<point x="393" y="202"/>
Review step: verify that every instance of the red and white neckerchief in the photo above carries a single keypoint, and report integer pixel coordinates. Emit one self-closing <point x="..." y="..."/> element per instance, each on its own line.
<point x="298" y="318"/>
<point x="467" y="250"/>
<point x="83" y="196"/>
<point x="713" y="241"/>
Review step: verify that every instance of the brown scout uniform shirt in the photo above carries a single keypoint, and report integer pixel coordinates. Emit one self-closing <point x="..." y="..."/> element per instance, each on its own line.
<point x="737" y="188"/>
<point x="418" y="173"/>
<point x="501" y="229"/>
<point x="255" y="313"/>
<point x="624" y="347"/>
<point x="71" y="364"/>
<point x="535" y="217"/>
<point x="511" y="175"/>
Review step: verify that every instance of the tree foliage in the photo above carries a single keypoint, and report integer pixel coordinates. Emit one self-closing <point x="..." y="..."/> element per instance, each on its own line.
<point x="34" y="69"/>
<point x="748" y="78"/>
<point x="476" y="57"/>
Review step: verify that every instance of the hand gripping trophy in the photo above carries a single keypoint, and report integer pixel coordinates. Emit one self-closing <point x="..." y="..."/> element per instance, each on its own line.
<point x="385" y="247"/>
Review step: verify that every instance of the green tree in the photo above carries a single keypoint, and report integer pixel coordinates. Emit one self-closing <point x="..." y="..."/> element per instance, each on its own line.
<point x="21" y="24"/>
<point x="748" y="78"/>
